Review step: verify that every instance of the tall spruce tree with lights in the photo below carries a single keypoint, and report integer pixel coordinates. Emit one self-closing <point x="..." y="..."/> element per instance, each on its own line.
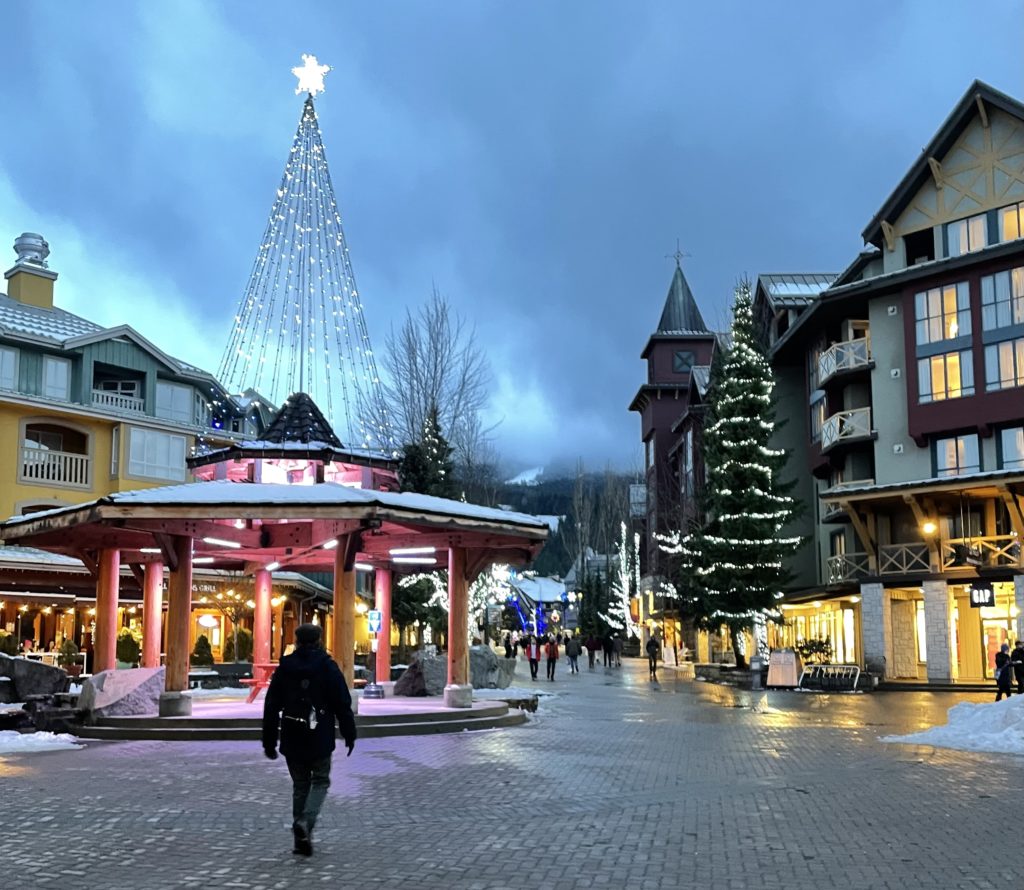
<point x="426" y="466"/>
<point x="736" y="557"/>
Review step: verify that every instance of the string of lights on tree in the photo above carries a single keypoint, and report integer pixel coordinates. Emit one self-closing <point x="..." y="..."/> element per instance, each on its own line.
<point x="489" y="588"/>
<point x="624" y="585"/>
<point x="300" y="325"/>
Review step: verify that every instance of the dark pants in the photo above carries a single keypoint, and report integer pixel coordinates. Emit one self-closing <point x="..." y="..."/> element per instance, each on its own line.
<point x="310" y="781"/>
<point x="534" y="664"/>
<point x="551" y="668"/>
<point x="591" y="655"/>
<point x="608" y="656"/>
<point x="652" y="663"/>
<point x="574" y="667"/>
<point x="1018" y="671"/>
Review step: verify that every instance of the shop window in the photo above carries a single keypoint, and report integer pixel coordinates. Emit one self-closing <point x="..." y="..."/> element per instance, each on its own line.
<point x="946" y="376"/>
<point x="943" y="313"/>
<point x="1002" y="299"/>
<point x="1011" y="448"/>
<point x="957" y="455"/>
<point x="967" y="235"/>
<point x="1004" y="365"/>
<point x="922" y="632"/>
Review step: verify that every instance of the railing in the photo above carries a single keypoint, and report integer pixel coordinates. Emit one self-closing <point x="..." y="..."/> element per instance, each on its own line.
<point x="118" y="402"/>
<point x="845" y="356"/>
<point x="830" y="677"/>
<point x="846" y="425"/>
<point x="835" y="507"/>
<point x="903" y="559"/>
<point x="60" y="467"/>
<point x="992" y="551"/>
<point x="846" y="567"/>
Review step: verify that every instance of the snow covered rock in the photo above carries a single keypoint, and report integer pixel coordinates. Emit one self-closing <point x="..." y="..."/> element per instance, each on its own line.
<point x="996" y="727"/>
<point x="122" y="693"/>
<point x="487" y="671"/>
<point x="31" y="677"/>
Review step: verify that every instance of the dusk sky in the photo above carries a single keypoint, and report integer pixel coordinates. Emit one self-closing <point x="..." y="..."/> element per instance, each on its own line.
<point x="536" y="160"/>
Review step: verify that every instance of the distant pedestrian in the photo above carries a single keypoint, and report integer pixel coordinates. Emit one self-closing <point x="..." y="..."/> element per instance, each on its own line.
<point x="608" y="646"/>
<point x="572" y="654"/>
<point x="653" y="648"/>
<point x="591" y="645"/>
<point x="531" y="649"/>
<point x="551" y="652"/>
<point x="508" y="645"/>
<point x="618" y="644"/>
<point x="1017" y="660"/>
<point x="1004" y="672"/>
<point x="307" y="695"/>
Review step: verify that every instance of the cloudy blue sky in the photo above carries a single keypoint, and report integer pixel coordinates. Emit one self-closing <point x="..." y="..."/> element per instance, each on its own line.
<point x="536" y="159"/>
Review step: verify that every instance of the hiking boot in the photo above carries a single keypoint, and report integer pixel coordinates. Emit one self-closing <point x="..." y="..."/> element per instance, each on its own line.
<point x="303" y="841"/>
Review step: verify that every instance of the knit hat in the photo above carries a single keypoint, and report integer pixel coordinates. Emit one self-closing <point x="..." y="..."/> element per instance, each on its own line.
<point x="308" y="635"/>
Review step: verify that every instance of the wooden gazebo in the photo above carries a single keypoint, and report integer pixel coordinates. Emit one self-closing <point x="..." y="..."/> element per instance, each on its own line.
<point x="258" y="529"/>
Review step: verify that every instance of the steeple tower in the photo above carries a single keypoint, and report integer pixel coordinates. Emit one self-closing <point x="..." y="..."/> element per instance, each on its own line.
<point x="681" y="315"/>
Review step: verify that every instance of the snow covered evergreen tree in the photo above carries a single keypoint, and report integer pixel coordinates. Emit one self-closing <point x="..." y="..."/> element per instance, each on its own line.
<point x="426" y="466"/>
<point x="732" y="564"/>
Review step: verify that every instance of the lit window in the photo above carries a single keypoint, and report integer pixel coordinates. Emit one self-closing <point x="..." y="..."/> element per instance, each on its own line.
<point x="1002" y="299"/>
<point x="957" y="455"/>
<point x="56" y="378"/>
<point x="946" y="376"/>
<point x="1004" y="364"/>
<point x="156" y="455"/>
<point x="1011" y="441"/>
<point x="966" y="235"/>
<point x="1011" y="222"/>
<point x="8" y="368"/>
<point x="943" y="313"/>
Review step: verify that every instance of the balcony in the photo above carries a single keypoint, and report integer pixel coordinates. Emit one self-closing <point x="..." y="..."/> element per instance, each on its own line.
<point x="115" y="401"/>
<point x="847" y="567"/>
<point x="992" y="552"/>
<point x="846" y="426"/>
<point x="849" y="355"/>
<point x="903" y="559"/>
<point x="55" y="467"/>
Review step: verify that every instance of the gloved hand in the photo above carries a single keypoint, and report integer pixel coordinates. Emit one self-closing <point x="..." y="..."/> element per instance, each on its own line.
<point x="270" y="753"/>
<point x="350" y="745"/>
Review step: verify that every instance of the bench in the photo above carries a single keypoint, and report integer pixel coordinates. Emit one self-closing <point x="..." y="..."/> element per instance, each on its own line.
<point x="260" y="680"/>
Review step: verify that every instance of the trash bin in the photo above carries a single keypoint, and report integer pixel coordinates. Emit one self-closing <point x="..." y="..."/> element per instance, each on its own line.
<point x="757" y="672"/>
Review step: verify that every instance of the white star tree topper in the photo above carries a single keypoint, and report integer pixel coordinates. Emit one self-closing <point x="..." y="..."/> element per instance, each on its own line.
<point x="311" y="75"/>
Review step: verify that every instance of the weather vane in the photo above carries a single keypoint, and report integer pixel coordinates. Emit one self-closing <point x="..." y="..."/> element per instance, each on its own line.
<point x="311" y="75"/>
<point x="677" y="256"/>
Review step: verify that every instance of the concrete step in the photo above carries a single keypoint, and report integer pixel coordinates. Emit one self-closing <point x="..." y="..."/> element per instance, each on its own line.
<point x="919" y="686"/>
<point x="174" y="729"/>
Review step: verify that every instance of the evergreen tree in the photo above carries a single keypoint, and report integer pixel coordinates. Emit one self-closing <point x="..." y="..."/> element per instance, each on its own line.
<point x="731" y="566"/>
<point x="426" y="466"/>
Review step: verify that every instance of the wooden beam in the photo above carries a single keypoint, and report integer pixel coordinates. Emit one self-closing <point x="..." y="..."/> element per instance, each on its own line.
<point x="170" y="556"/>
<point x="1013" y="508"/>
<point x="139" y="575"/>
<point x="862" y="531"/>
<point x="90" y="561"/>
<point x="982" y="111"/>
<point x="890" y="235"/>
<point x="936" y="171"/>
<point x="923" y="514"/>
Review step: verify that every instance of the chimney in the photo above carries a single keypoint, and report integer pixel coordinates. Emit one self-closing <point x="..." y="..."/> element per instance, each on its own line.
<point x="30" y="281"/>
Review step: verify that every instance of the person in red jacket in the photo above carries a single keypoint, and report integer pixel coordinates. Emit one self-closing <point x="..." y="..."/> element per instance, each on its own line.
<point x="531" y="649"/>
<point x="551" y="651"/>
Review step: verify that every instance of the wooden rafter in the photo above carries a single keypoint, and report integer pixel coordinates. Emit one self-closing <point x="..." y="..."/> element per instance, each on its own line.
<point x="167" y="551"/>
<point x="982" y="111"/>
<point x="1012" y="503"/>
<point x="936" y="171"/>
<point x="890" y="236"/>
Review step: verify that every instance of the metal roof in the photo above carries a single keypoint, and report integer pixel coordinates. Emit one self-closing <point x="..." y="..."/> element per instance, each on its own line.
<point x="53" y="325"/>
<point x="794" y="290"/>
<point x="681" y="315"/>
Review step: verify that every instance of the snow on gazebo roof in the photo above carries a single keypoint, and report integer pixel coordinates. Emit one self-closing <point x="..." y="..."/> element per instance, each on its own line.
<point x="539" y="590"/>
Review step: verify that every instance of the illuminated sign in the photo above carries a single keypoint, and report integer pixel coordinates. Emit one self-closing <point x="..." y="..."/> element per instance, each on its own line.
<point x="982" y="594"/>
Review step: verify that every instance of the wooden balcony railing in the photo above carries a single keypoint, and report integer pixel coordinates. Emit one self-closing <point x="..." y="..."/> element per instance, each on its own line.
<point x="845" y="356"/>
<point x="992" y="551"/>
<point x="846" y="567"/>
<point x="55" y="467"/>
<point x="846" y="426"/>
<point x="903" y="559"/>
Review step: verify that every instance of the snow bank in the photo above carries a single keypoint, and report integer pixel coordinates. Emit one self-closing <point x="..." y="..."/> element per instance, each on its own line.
<point x="29" y="742"/>
<point x="512" y="692"/>
<point x="995" y="727"/>
<point x="226" y="692"/>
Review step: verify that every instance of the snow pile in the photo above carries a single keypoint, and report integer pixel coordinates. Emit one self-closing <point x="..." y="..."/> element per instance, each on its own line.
<point x="995" y="727"/>
<point x="226" y="692"/>
<point x="512" y="692"/>
<point x="29" y="742"/>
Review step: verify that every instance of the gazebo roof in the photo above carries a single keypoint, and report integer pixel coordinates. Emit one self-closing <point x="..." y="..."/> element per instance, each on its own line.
<point x="244" y="526"/>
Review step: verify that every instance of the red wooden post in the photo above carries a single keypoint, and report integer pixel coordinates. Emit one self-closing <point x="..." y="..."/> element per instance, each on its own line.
<point x="152" y="613"/>
<point x="458" y="618"/>
<point x="382" y="602"/>
<point x="262" y="587"/>
<point x="104" y="656"/>
<point x="179" y="616"/>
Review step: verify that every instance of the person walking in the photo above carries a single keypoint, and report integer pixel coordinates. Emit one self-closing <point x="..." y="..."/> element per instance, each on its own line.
<point x="608" y="645"/>
<point x="653" y="648"/>
<point x="531" y="649"/>
<point x="307" y="695"/>
<point x="572" y="654"/>
<point x="508" y="645"/>
<point x="551" y="652"/>
<point x="591" y="645"/>
<point x="1004" y="672"/>
<point x="1017" y="660"/>
<point x="618" y="644"/>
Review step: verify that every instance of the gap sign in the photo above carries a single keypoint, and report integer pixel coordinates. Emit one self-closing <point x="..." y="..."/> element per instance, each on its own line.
<point x="982" y="594"/>
<point x="373" y="616"/>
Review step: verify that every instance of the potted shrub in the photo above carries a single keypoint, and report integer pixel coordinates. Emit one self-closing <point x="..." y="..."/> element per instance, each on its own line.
<point x="202" y="655"/>
<point x="244" y="653"/>
<point x="8" y="643"/>
<point x="67" y="658"/>
<point x="128" y="649"/>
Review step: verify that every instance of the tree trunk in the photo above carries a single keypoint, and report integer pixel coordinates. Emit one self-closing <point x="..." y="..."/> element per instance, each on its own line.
<point x="739" y="649"/>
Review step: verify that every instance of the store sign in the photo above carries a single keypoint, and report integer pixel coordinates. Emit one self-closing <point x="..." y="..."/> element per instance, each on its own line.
<point x="982" y="594"/>
<point x="494" y="613"/>
<point x="373" y="616"/>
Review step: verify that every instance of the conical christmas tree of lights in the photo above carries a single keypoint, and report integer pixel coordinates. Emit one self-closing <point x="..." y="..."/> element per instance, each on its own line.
<point x="300" y="325"/>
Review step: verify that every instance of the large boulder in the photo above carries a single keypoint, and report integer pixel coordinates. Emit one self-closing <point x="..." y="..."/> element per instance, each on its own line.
<point x="487" y="671"/>
<point x="425" y="672"/>
<point x="30" y="677"/>
<point x="411" y="683"/>
<point x="128" y="693"/>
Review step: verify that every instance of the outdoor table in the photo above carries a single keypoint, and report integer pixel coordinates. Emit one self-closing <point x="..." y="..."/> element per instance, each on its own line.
<point x="261" y="674"/>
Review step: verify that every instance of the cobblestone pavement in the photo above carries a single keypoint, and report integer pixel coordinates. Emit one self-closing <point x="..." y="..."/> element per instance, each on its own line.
<point x="614" y="783"/>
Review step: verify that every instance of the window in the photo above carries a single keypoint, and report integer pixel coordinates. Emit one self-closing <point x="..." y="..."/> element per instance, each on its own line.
<point x="8" y="368"/>
<point x="1004" y="364"/>
<point x="46" y="440"/>
<point x="1011" y="447"/>
<point x="957" y="455"/>
<point x="946" y="376"/>
<point x="688" y="480"/>
<point x="943" y="313"/>
<point x="1011" y="222"/>
<point x="56" y="378"/>
<point x="967" y="235"/>
<point x="156" y="455"/>
<point x="1002" y="299"/>
<point x="174" y="402"/>
<point x="115" y="451"/>
<point x="817" y="414"/>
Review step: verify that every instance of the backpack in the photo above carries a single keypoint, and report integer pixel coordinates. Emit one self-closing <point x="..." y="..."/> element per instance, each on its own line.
<point x="301" y="713"/>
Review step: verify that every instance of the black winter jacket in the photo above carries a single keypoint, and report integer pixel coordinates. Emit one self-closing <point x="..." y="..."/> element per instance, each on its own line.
<point x="327" y="692"/>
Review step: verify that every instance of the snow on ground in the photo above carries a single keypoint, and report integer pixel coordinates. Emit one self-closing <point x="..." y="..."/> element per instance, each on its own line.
<point x="995" y="727"/>
<point x="29" y="742"/>
<point x="512" y="692"/>
<point x="227" y="692"/>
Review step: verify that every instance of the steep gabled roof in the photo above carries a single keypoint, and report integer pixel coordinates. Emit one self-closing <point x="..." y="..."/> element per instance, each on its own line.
<point x="681" y="315"/>
<point x="978" y="95"/>
<point x="299" y="420"/>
